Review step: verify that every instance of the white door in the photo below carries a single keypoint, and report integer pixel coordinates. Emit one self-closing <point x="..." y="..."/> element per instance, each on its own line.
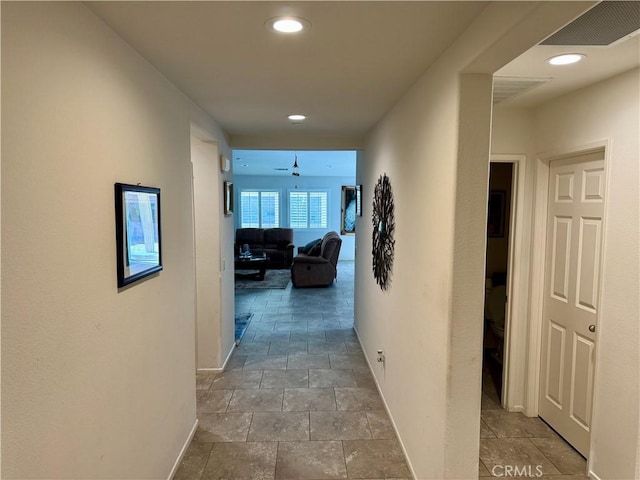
<point x="570" y="312"/>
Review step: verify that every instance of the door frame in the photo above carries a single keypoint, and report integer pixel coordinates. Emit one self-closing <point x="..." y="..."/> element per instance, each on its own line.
<point x="514" y="332"/>
<point x="538" y="258"/>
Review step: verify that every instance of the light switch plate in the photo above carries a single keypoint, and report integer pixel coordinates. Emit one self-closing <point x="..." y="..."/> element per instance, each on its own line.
<point x="225" y="165"/>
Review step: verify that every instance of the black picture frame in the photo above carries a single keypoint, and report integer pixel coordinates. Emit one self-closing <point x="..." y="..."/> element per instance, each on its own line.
<point x="138" y="232"/>
<point x="496" y="213"/>
<point x="228" y="197"/>
<point x="348" y="211"/>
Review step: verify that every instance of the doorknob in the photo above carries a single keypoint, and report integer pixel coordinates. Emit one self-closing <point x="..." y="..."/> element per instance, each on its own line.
<point x="592" y="328"/>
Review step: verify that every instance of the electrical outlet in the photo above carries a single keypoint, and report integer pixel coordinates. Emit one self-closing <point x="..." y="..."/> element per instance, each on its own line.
<point x="380" y="357"/>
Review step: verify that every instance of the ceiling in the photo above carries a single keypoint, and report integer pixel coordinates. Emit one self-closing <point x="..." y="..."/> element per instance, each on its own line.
<point x="344" y="73"/>
<point x="279" y="163"/>
<point x="601" y="62"/>
<point x="607" y="37"/>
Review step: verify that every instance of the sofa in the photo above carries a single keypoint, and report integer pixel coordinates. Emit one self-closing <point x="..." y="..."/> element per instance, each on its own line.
<point x="277" y="243"/>
<point x="320" y="270"/>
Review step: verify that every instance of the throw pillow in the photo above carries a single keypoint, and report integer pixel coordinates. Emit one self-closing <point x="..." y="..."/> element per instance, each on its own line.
<point x="316" y="249"/>
<point x="310" y="245"/>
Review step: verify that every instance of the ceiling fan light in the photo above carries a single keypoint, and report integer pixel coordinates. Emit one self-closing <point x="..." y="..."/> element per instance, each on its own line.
<point x="296" y="170"/>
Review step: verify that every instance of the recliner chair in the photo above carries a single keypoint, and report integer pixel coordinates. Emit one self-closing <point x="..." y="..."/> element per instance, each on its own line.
<point x="321" y="270"/>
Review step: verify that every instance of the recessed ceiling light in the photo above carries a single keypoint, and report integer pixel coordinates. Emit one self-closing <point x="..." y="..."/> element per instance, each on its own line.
<point x="566" y="59"/>
<point x="296" y="118"/>
<point x="287" y="24"/>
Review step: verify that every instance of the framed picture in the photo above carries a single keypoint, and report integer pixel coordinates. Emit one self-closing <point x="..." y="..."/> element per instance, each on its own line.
<point x="348" y="211"/>
<point x="359" y="200"/>
<point x="495" y="213"/>
<point x="228" y="198"/>
<point x="138" y="232"/>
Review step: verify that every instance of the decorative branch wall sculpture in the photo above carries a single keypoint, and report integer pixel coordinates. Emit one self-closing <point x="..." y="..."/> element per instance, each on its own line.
<point x="384" y="225"/>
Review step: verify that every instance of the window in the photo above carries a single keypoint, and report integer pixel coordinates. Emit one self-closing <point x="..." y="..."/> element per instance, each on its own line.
<point x="259" y="209"/>
<point x="308" y="209"/>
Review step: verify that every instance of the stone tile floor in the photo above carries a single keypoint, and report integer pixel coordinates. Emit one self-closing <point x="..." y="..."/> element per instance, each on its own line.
<point x="297" y="401"/>
<point x="524" y="446"/>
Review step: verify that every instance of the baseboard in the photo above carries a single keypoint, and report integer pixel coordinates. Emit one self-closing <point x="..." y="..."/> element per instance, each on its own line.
<point x="516" y="408"/>
<point x="183" y="450"/>
<point x="218" y="369"/>
<point x="386" y="407"/>
<point x="593" y="476"/>
<point x="226" y="360"/>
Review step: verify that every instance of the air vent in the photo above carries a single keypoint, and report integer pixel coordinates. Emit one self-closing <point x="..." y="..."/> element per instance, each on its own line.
<point x="509" y="87"/>
<point x="604" y="24"/>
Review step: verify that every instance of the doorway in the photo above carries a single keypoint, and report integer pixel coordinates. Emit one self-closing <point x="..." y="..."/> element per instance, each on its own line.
<point x="499" y="229"/>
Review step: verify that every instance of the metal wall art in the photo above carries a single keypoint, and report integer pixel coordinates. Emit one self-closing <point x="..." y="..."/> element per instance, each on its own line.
<point x="384" y="225"/>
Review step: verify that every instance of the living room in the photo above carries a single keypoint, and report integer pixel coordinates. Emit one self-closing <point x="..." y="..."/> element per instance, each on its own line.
<point x="269" y="192"/>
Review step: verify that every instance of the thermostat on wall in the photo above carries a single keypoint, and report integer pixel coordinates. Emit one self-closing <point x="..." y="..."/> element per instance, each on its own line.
<point x="225" y="165"/>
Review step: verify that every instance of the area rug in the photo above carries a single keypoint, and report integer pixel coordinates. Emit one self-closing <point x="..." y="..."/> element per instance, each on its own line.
<point x="242" y="322"/>
<point x="272" y="279"/>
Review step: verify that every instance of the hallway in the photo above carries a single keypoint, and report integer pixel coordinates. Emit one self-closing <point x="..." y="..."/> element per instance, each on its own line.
<point x="297" y="400"/>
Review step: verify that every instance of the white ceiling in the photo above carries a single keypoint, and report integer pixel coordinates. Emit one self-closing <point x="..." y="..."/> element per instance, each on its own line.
<point x="354" y="63"/>
<point x="311" y="164"/>
<point x="600" y="63"/>
<point x="345" y="73"/>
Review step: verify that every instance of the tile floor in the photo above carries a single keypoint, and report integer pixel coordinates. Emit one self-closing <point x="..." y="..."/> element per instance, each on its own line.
<point x="512" y="440"/>
<point x="297" y="401"/>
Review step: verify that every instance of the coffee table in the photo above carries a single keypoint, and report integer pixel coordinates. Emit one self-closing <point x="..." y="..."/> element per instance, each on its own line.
<point x="254" y="262"/>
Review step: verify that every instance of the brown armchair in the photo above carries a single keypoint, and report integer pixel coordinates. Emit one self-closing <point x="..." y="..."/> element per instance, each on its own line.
<point x="321" y="270"/>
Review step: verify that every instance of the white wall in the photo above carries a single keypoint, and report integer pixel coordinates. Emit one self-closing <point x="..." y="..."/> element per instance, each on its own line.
<point x="286" y="183"/>
<point x="610" y="111"/>
<point x="214" y="311"/>
<point x="97" y="382"/>
<point x="434" y="145"/>
<point x="417" y="145"/>
<point x="413" y="322"/>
